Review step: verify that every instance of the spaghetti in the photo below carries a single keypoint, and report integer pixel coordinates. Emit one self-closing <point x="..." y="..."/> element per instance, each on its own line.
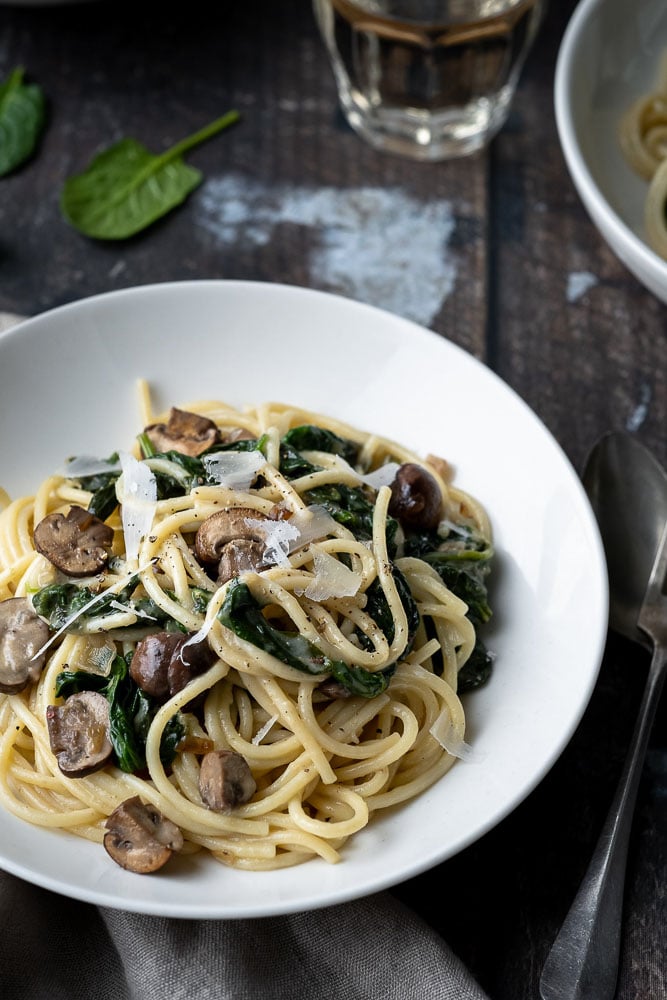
<point x="335" y="583"/>
<point x="643" y="139"/>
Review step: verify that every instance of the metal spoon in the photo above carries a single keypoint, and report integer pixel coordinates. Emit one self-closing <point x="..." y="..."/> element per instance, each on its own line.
<point x="628" y="491"/>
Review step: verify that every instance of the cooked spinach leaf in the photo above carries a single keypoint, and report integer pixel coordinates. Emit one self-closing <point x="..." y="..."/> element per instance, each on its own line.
<point x="378" y="608"/>
<point x="349" y="506"/>
<point x="126" y="188"/>
<point x="242" y="614"/>
<point x="309" y="437"/>
<point x="22" y="118"/>
<point x="292" y="463"/>
<point x="462" y="559"/>
<point x="185" y="472"/>
<point x="476" y="670"/>
<point x="59" y="602"/>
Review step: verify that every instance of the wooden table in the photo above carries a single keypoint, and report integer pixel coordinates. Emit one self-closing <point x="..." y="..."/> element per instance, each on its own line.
<point x="520" y="278"/>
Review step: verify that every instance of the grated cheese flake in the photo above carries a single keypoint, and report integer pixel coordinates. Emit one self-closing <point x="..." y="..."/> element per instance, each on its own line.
<point x="266" y="728"/>
<point x="442" y="731"/>
<point x="278" y="537"/>
<point x="236" y="470"/>
<point x="384" y="476"/>
<point x="88" y="465"/>
<point x="332" y="579"/>
<point x="136" y="491"/>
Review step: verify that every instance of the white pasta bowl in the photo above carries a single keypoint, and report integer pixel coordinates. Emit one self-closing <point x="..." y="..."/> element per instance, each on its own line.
<point x="609" y="58"/>
<point x="68" y="387"/>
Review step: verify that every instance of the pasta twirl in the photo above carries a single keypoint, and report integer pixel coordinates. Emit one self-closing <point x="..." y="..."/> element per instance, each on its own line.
<point x="643" y="139"/>
<point x="266" y="586"/>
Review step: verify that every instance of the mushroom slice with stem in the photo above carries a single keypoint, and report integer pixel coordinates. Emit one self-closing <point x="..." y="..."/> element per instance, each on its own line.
<point x="79" y="733"/>
<point x="185" y="432"/>
<point x="243" y="555"/>
<point x="139" y="838"/>
<point x="233" y="539"/>
<point x="23" y="634"/>
<point x="225" y="780"/>
<point x="77" y="543"/>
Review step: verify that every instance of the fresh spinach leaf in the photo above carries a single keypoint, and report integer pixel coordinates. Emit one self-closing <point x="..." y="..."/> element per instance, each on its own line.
<point x="242" y="614"/>
<point x="126" y="188"/>
<point x="22" y="118"/>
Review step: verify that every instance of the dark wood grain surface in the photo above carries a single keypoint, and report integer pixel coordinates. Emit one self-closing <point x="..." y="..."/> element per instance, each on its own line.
<point x="495" y="252"/>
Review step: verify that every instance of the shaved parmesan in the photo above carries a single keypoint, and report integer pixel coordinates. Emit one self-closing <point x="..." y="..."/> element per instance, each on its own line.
<point x="384" y="476"/>
<point x="136" y="490"/>
<point x="312" y="524"/>
<point x="200" y="635"/>
<point x="236" y="470"/>
<point x="443" y="731"/>
<point x="332" y="579"/>
<point x="283" y="537"/>
<point x="128" y="609"/>
<point x="88" y="465"/>
<point x="266" y="728"/>
<point x="277" y="536"/>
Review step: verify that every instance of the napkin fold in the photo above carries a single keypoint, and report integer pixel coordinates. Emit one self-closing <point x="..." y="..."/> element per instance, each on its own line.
<point x="55" y="948"/>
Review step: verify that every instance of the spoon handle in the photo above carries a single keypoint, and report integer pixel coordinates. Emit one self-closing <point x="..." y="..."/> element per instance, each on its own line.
<point x="583" y="961"/>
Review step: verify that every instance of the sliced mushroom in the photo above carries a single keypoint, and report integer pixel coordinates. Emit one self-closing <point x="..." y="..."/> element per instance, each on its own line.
<point x="77" y="544"/>
<point x="225" y="780"/>
<point x="333" y="689"/>
<point x="188" y="660"/>
<point x="22" y="636"/>
<point x="225" y="526"/>
<point x="140" y="839"/>
<point x="416" y="499"/>
<point x="163" y="663"/>
<point x="232" y="539"/>
<point x="150" y="663"/>
<point x="240" y="556"/>
<point x="79" y="733"/>
<point x="186" y="432"/>
<point x="238" y="434"/>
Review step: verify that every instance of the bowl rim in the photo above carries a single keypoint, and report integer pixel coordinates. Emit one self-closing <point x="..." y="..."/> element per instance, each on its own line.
<point x="622" y="237"/>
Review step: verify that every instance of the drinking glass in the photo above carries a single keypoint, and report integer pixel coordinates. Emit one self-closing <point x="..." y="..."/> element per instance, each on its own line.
<point x="429" y="79"/>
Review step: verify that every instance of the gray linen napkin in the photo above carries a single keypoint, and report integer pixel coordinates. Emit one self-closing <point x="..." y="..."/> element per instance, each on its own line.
<point x="54" y="948"/>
